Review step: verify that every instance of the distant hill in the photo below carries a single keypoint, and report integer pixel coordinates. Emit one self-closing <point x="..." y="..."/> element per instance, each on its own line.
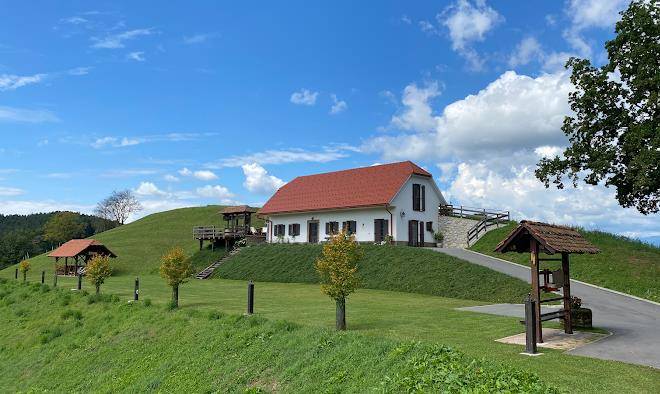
<point x="624" y="264"/>
<point x="22" y="235"/>
<point x="140" y="245"/>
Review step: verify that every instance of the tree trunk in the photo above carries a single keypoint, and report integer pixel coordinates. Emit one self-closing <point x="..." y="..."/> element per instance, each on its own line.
<point x="341" y="314"/>
<point x="175" y="296"/>
<point x="98" y="289"/>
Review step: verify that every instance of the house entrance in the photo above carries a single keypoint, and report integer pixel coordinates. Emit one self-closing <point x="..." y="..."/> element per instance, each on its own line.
<point x="313" y="232"/>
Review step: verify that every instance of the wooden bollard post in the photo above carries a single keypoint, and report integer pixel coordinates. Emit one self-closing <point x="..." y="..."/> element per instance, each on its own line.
<point x="16" y="274"/>
<point x="43" y="277"/>
<point x="137" y="289"/>
<point x="250" y="306"/>
<point x="79" y="281"/>
<point x="55" y="279"/>
<point x="530" y="325"/>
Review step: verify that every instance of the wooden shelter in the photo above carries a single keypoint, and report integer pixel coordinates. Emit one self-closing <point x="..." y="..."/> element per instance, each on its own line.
<point x="80" y="251"/>
<point x="238" y="220"/>
<point x="534" y="238"/>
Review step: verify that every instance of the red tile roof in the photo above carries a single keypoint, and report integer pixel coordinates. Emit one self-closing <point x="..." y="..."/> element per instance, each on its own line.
<point x="358" y="187"/>
<point x="552" y="239"/>
<point x="78" y="246"/>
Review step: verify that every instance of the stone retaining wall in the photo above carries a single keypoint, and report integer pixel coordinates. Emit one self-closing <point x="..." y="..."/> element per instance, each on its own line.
<point x="455" y="231"/>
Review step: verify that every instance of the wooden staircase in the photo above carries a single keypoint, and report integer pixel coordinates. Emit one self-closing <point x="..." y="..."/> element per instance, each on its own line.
<point x="208" y="271"/>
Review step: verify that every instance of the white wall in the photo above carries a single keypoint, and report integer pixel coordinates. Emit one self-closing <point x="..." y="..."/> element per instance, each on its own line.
<point x="364" y="217"/>
<point x="403" y="202"/>
<point x="364" y="223"/>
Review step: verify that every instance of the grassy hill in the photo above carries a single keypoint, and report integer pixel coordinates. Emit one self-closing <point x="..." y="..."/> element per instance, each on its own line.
<point x="625" y="265"/>
<point x="140" y="244"/>
<point x="395" y="268"/>
<point x="55" y="340"/>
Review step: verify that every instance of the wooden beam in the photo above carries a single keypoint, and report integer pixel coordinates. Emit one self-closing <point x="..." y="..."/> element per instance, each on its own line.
<point x="568" y="320"/>
<point x="536" y="290"/>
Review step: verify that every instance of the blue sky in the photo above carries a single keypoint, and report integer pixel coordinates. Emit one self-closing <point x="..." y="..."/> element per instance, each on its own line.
<point x="190" y="104"/>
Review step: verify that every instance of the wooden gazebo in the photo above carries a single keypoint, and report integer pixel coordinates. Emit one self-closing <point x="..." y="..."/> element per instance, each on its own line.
<point x="238" y="220"/>
<point x="534" y="238"/>
<point x="80" y="251"/>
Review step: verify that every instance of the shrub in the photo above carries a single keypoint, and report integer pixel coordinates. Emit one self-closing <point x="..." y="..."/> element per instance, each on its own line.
<point x="175" y="269"/>
<point x="98" y="270"/>
<point x="438" y="236"/>
<point x="24" y="267"/>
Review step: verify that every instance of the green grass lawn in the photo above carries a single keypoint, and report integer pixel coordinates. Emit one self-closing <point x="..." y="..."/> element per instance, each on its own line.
<point x="141" y="244"/>
<point x="394" y="315"/>
<point x="63" y="342"/>
<point x="624" y="265"/>
<point x="396" y="268"/>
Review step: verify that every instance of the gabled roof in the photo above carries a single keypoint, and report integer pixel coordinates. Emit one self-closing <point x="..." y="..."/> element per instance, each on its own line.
<point x="76" y="247"/>
<point x="551" y="238"/>
<point x="354" y="188"/>
<point x="239" y="209"/>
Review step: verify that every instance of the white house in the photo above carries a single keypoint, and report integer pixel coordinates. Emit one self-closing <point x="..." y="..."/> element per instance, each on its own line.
<point x="399" y="200"/>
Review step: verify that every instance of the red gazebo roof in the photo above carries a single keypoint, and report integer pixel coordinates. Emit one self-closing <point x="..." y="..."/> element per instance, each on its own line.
<point x="76" y="247"/>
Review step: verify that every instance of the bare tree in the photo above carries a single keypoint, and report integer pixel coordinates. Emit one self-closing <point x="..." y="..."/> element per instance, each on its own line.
<point x="118" y="206"/>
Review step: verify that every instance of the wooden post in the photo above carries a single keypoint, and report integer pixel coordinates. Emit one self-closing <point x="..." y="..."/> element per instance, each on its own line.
<point x="250" y="306"/>
<point x="137" y="289"/>
<point x="43" y="277"/>
<point x="55" y="279"/>
<point x="530" y="325"/>
<point x="79" y="281"/>
<point x="536" y="291"/>
<point x="201" y="243"/>
<point x="16" y="274"/>
<point x="66" y="266"/>
<point x="568" y="320"/>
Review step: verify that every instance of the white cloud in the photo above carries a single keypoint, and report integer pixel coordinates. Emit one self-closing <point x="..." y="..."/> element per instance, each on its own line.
<point x="467" y="24"/>
<point x="138" y="56"/>
<point x="149" y="189"/>
<point x="115" y="41"/>
<point x="257" y="179"/>
<point x="127" y="173"/>
<point x="79" y="71"/>
<point x="114" y="142"/>
<point x="428" y="27"/>
<point x="12" y="114"/>
<point x="205" y="175"/>
<point x="217" y="191"/>
<point x="417" y="113"/>
<point x="12" y="82"/>
<point x="304" y="97"/>
<point x="185" y="172"/>
<point x="171" y="178"/>
<point x="10" y="191"/>
<point x="327" y="154"/>
<point x="197" y="38"/>
<point x="26" y="207"/>
<point x="338" y="106"/>
<point x="585" y="14"/>
<point x="526" y="51"/>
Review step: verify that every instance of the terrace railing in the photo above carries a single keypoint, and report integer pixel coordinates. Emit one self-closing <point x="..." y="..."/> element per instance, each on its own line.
<point x="486" y="219"/>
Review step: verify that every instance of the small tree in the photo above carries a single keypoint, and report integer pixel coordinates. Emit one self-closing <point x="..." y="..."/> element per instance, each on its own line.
<point x="338" y="271"/>
<point x="118" y="206"/>
<point x="63" y="227"/>
<point x="24" y="267"/>
<point x="175" y="269"/>
<point x="97" y="270"/>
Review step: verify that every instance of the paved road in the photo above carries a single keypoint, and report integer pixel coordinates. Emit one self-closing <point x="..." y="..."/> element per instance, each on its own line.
<point x="635" y="324"/>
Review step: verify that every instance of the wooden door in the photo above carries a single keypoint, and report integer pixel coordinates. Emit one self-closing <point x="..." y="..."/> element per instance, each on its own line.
<point x="413" y="233"/>
<point x="313" y="232"/>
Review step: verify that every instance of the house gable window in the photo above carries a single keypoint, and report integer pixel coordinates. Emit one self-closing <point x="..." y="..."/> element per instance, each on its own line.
<point x="349" y="226"/>
<point x="429" y="226"/>
<point x="331" y="228"/>
<point x="279" y="230"/>
<point x="418" y="197"/>
<point x="294" y="229"/>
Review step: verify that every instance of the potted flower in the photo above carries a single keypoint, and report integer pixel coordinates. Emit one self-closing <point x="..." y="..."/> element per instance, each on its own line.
<point x="580" y="317"/>
<point x="439" y="237"/>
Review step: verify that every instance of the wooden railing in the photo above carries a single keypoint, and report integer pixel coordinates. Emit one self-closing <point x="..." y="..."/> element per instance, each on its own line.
<point x="486" y="218"/>
<point x="208" y="232"/>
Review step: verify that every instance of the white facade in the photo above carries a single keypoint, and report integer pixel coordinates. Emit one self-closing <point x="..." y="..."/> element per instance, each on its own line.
<point x="398" y="213"/>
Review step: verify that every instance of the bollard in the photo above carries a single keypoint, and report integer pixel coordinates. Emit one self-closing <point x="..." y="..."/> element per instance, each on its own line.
<point x="16" y="274"/>
<point x="79" y="281"/>
<point x="530" y="325"/>
<point x="250" y="307"/>
<point x="55" y="280"/>
<point x="137" y="289"/>
<point x="43" y="277"/>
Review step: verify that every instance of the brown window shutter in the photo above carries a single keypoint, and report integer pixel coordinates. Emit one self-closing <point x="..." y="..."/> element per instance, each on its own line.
<point x="423" y="198"/>
<point x="415" y="192"/>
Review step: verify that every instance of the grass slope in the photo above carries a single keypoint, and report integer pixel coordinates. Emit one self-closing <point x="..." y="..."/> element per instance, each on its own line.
<point x="141" y="244"/>
<point x="396" y="268"/>
<point x="625" y="265"/>
<point x="64" y="342"/>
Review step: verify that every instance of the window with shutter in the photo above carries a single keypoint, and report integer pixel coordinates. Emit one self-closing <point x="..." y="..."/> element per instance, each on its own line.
<point x="331" y="228"/>
<point x="423" y="198"/>
<point x="415" y="196"/>
<point x="429" y="226"/>
<point x="296" y="229"/>
<point x="352" y="226"/>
